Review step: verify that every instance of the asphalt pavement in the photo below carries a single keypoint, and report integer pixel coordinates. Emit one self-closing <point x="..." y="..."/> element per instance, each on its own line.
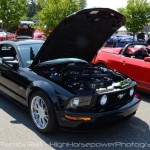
<point x="17" y="132"/>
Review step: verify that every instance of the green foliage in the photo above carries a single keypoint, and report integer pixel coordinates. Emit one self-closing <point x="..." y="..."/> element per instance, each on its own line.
<point x="137" y="14"/>
<point x="11" y="11"/>
<point x="31" y="9"/>
<point x="53" y="11"/>
<point x="82" y="3"/>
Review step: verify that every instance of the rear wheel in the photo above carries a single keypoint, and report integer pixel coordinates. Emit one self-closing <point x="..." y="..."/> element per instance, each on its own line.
<point x="42" y="113"/>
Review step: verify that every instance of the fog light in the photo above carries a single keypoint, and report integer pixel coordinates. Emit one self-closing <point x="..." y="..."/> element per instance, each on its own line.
<point x="103" y="100"/>
<point x="131" y="92"/>
<point x="74" y="102"/>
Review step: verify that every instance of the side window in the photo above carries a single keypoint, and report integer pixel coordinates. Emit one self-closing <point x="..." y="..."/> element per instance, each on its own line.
<point x="7" y="51"/>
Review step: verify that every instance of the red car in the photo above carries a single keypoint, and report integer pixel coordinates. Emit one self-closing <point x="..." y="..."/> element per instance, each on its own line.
<point x="2" y="38"/>
<point x="39" y="35"/>
<point x="10" y="36"/>
<point x="6" y="35"/>
<point x="26" y="32"/>
<point x="133" y="60"/>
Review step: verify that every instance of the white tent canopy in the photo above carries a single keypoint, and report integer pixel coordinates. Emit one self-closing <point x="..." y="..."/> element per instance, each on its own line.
<point x="123" y="29"/>
<point x="27" y="22"/>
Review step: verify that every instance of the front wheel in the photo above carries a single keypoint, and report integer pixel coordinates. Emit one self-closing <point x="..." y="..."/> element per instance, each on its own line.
<point x="42" y="113"/>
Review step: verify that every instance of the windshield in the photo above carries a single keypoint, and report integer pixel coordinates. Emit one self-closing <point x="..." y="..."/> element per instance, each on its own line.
<point x="29" y="52"/>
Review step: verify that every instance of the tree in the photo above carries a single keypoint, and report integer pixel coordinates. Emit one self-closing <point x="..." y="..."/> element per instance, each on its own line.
<point x="137" y="14"/>
<point x="53" y="11"/>
<point x="11" y="11"/>
<point x="31" y="9"/>
<point x="82" y="3"/>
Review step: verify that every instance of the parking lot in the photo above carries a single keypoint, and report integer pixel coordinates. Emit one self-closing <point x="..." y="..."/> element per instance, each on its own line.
<point x="18" y="132"/>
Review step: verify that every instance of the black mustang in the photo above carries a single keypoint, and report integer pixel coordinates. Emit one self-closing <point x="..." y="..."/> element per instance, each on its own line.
<point x="58" y="83"/>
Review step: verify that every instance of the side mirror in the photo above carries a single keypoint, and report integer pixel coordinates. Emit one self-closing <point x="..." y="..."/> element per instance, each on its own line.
<point x="147" y="59"/>
<point x="5" y="59"/>
<point x="11" y="62"/>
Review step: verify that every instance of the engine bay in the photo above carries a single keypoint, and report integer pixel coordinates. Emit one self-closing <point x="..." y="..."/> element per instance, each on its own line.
<point x="82" y="76"/>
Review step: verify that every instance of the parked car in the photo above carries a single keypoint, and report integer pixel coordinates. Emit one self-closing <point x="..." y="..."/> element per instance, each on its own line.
<point x="39" y="35"/>
<point x="120" y="40"/>
<point x="26" y="32"/>
<point x="58" y="84"/>
<point x="10" y="36"/>
<point x="2" y="38"/>
<point x="148" y="41"/>
<point x="133" y="60"/>
<point x="6" y="35"/>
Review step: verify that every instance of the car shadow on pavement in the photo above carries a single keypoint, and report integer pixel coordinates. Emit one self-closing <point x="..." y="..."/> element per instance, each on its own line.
<point x="145" y="99"/>
<point x="145" y="96"/>
<point x="115" y="136"/>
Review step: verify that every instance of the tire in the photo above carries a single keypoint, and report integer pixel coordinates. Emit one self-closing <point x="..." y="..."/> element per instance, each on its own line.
<point x="42" y="113"/>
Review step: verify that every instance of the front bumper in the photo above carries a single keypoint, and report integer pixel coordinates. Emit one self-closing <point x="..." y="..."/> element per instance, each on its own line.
<point x="99" y="119"/>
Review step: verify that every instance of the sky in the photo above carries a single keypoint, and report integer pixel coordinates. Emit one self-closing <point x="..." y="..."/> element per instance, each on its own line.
<point x="114" y="4"/>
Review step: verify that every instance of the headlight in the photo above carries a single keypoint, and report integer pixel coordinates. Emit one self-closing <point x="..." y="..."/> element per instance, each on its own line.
<point x="131" y="92"/>
<point x="79" y="102"/>
<point x="74" y="102"/>
<point x="103" y="100"/>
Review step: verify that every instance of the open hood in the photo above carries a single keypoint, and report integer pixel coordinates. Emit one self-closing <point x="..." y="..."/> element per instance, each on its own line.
<point x="24" y="31"/>
<point x="80" y="35"/>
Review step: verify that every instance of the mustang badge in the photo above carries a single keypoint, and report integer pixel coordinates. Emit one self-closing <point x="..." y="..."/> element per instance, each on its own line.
<point x="120" y="96"/>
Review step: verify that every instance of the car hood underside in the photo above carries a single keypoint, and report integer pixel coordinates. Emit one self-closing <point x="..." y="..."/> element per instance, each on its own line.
<point x="80" y="35"/>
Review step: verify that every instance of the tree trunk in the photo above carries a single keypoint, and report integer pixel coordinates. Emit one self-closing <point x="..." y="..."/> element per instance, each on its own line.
<point x="133" y="37"/>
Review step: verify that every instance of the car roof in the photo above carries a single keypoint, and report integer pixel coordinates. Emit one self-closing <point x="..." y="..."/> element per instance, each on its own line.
<point x="20" y="42"/>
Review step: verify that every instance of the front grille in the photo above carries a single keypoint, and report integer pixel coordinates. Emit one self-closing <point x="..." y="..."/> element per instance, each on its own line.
<point x="115" y="100"/>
